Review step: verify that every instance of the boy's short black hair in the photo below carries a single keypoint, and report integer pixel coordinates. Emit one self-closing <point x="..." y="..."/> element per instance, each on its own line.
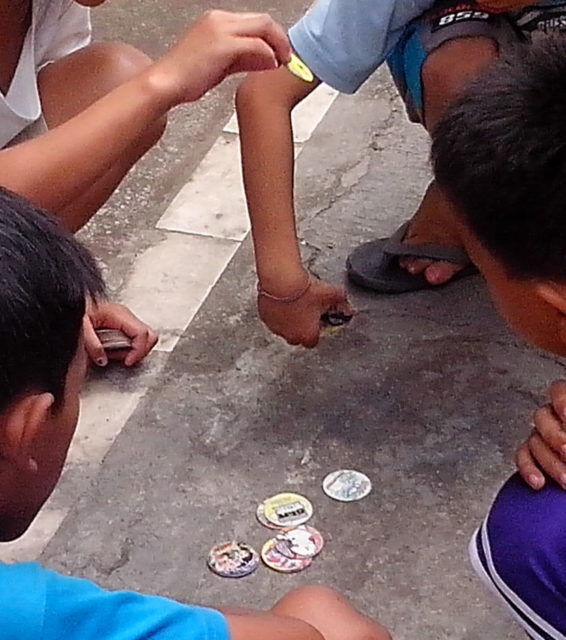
<point x="500" y="154"/>
<point x="45" y="275"/>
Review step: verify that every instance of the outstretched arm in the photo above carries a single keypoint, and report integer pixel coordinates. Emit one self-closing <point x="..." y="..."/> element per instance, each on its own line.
<point x="55" y="168"/>
<point x="264" y="103"/>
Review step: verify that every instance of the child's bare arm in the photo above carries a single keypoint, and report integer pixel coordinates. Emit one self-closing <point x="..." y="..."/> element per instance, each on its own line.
<point x="264" y="103"/>
<point x="54" y="169"/>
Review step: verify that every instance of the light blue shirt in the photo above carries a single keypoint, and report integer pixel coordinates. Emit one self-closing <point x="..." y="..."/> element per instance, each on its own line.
<point x="38" y="604"/>
<point x="344" y="41"/>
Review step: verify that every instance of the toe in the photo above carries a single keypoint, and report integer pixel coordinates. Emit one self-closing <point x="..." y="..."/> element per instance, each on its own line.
<point x="414" y="266"/>
<point x="441" y="272"/>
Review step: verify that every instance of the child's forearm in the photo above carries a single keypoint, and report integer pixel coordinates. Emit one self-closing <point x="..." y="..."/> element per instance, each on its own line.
<point x="268" y="175"/>
<point x="268" y="162"/>
<point x="57" y="167"/>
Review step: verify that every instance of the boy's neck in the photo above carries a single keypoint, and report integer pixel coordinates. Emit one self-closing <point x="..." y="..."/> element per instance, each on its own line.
<point x="15" y="21"/>
<point x="15" y="10"/>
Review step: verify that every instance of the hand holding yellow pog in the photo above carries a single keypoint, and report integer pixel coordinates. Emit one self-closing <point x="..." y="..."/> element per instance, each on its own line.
<point x="298" y="68"/>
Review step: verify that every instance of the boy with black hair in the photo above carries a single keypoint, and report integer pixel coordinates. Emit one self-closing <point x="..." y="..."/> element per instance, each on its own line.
<point x="46" y="276"/>
<point x="499" y="153"/>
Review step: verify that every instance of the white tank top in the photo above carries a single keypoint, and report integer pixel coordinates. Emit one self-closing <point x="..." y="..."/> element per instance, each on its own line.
<point x="58" y="28"/>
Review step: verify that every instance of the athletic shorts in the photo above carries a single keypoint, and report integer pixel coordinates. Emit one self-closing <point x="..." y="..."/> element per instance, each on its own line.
<point x="450" y="19"/>
<point x="520" y="553"/>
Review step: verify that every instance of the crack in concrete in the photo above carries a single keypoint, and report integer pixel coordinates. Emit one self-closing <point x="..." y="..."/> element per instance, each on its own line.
<point x="121" y="561"/>
<point x="339" y="191"/>
<point x="389" y="122"/>
<point x="314" y="254"/>
<point x="559" y="360"/>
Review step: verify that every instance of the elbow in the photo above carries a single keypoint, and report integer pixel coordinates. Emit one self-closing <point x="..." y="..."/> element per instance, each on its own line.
<point x="249" y="93"/>
<point x="266" y="91"/>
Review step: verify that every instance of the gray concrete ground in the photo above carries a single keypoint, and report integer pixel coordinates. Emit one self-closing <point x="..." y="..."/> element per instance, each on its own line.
<point x="427" y="393"/>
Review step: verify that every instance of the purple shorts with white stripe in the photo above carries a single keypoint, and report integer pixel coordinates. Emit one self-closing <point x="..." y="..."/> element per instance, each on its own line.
<point x="520" y="553"/>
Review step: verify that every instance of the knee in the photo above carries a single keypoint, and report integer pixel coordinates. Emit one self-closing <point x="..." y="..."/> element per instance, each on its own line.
<point x="449" y="68"/>
<point x="118" y="62"/>
<point x="318" y="596"/>
<point x="524" y="537"/>
<point x="320" y="600"/>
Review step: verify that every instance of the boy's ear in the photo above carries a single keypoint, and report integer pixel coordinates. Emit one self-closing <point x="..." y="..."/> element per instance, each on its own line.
<point x="554" y="294"/>
<point x="20" y="426"/>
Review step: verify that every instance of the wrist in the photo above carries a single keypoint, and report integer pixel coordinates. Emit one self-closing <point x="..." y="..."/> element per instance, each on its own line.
<point x="159" y="87"/>
<point x="292" y="297"/>
<point x="283" y="283"/>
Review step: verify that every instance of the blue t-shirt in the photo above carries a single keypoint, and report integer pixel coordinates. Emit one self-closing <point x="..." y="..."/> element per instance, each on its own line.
<point x="345" y="41"/>
<point x="38" y="604"/>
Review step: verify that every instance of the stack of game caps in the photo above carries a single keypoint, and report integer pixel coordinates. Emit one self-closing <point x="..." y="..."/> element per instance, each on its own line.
<point x="295" y="544"/>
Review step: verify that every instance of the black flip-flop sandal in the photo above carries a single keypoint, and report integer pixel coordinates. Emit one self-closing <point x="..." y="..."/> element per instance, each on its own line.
<point x="375" y="265"/>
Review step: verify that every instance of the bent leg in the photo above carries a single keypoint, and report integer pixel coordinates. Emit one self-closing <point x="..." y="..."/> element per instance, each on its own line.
<point x="520" y="554"/>
<point x="445" y="74"/>
<point x="70" y="85"/>
<point x="307" y="613"/>
<point x="330" y="613"/>
<point x="433" y="62"/>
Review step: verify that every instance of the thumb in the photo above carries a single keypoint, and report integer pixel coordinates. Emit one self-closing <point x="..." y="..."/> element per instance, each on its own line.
<point x="93" y="346"/>
<point x="335" y="296"/>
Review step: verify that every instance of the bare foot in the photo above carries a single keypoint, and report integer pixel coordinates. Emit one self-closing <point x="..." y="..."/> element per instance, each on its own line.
<point x="432" y="224"/>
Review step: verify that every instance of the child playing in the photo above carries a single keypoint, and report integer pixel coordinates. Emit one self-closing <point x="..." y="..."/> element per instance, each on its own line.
<point x="92" y="110"/>
<point x="433" y="50"/>
<point x="499" y="154"/>
<point x="76" y="116"/>
<point x="46" y="277"/>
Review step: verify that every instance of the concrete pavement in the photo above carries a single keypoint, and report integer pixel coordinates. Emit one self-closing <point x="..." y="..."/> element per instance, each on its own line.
<point x="427" y="393"/>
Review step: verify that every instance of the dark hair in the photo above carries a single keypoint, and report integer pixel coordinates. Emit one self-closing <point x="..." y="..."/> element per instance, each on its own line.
<point x="500" y="154"/>
<point x="45" y="275"/>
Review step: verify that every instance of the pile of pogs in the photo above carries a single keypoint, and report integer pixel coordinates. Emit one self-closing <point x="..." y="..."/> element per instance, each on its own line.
<point x="296" y="544"/>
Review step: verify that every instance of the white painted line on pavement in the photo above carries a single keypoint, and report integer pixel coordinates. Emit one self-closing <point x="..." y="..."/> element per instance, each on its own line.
<point x="203" y="228"/>
<point x="172" y="279"/>
<point x="28" y="547"/>
<point x="213" y="202"/>
<point x="104" y="412"/>
<point x="306" y="116"/>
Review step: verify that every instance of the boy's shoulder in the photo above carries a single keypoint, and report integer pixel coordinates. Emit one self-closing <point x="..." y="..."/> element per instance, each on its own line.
<point x="344" y="41"/>
<point x="22" y="600"/>
<point x="39" y="603"/>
